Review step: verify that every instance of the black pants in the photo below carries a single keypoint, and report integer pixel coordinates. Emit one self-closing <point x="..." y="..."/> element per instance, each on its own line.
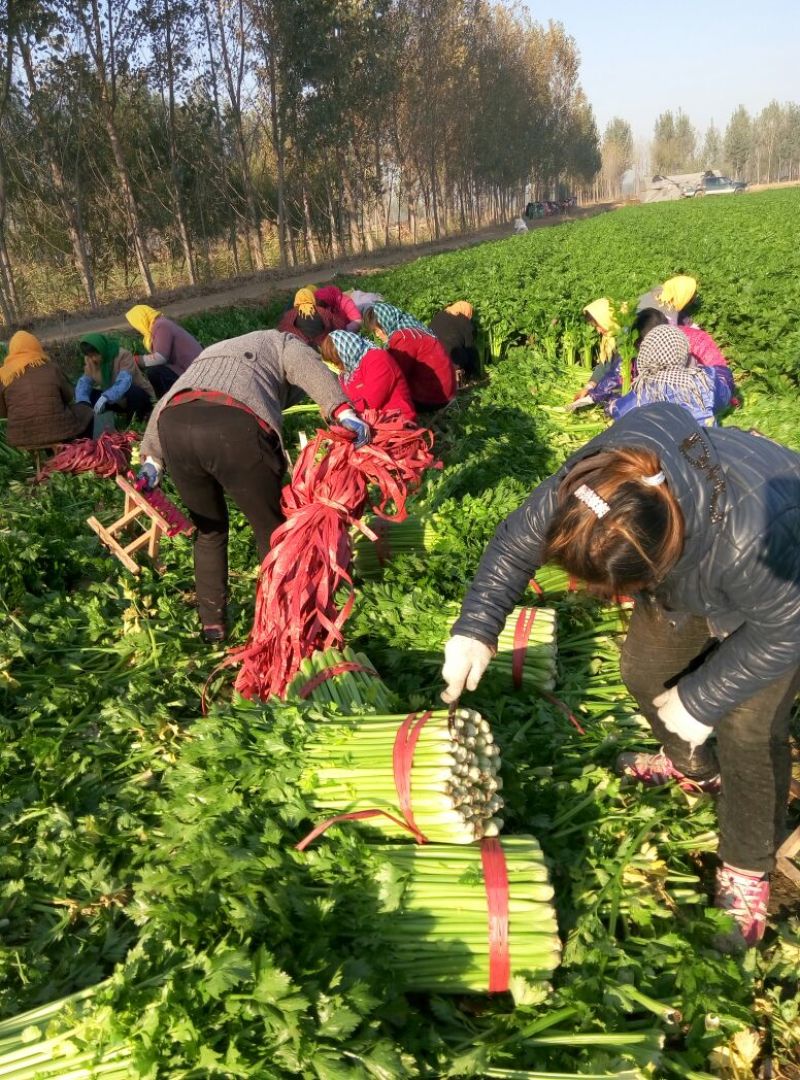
<point x="136" y="405"/>
<point x="211" y="450"/>
<point x="161" y="378"/>
<point x="751" y="751"/>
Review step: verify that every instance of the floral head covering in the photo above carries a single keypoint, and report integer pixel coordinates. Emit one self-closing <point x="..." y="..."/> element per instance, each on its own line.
<point x="350" y="348"/>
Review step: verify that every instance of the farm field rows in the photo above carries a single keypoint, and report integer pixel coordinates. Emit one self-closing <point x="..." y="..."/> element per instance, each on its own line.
<point x="150" y="849"/>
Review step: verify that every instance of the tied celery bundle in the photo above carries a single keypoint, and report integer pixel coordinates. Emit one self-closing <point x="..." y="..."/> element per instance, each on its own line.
<point x="346" y="679"/>
<point x="527" y="649"/>
<point x="439" y="930"/>
<point x="415" y="536"/>
<point x="449" y="781"/>
<point x="551" y="582"/>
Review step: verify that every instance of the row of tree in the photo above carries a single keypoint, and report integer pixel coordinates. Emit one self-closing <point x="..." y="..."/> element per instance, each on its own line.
<point x="224" y="136"/>
<point x="761" y="148"/>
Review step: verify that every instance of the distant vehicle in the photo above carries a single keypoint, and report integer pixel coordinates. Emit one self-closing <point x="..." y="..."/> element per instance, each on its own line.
<point x="715" y="185"/>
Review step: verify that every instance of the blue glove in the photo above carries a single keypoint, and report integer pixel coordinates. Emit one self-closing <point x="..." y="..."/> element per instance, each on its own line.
<point x="349" y="419"/>
<point x="100" y="405"/>
<point x="148" y="476"/>
<point x="83" y="390"/>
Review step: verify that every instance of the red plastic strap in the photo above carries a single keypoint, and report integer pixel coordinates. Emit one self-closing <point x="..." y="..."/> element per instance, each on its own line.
<point x="330" y="673"/>
<point x="537" y="588"/>
<point x="559" y="704"/>
<point x="573" y="584"/>
<point x="495" y="879"/>
<point x="402" y="759"/>
<point x="354" y="815"/>
<point x="522" y="634"/>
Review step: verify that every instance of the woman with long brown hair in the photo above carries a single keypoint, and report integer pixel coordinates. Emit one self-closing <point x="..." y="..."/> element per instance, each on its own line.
<point x="701" y="526"/>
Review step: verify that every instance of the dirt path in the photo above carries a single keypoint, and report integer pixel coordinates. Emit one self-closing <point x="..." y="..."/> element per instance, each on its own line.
<point x="261" y="287"/>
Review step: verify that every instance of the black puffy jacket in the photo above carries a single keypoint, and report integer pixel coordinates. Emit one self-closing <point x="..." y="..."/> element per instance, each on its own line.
<point x="740" y="498"/>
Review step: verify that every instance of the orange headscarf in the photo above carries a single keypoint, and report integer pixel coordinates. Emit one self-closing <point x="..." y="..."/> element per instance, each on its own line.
<point x="24" y="351"/>
<point x="461" y="307"/>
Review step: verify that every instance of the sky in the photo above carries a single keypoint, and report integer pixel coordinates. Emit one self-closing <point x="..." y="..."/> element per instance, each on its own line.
<point x="712" y="56"/>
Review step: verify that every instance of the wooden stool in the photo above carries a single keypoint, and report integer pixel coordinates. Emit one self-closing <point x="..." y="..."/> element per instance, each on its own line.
<point x="40" y="452"/>
<point x="136" y="509"/>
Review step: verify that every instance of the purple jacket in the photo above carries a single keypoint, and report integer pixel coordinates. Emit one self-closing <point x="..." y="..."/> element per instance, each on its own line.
<point x="175" y="344"/>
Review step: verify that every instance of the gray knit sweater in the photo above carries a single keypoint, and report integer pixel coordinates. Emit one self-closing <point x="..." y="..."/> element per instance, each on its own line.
<point x="263" y="370"/>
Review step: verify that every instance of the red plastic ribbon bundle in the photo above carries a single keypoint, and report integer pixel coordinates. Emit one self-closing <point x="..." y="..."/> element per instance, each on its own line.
<point x="296" y="610"/>
<point x="405" y="743"/>
<point x="177" y="521"/>
<point x="109" y="455"/>
<point x="495" y="879"/>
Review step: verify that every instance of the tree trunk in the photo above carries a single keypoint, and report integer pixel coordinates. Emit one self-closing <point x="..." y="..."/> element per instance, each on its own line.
<point x="177" y="198"/>
<point x="308" y="224"/>
<point x="126" y="189"/>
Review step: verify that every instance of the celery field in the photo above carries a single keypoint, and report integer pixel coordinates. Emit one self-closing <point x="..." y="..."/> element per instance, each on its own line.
<point x="148" y="865"/>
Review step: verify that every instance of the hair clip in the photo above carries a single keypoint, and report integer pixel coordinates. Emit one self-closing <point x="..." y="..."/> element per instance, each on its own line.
<point x="656" y="480"/>
<point x="590" y="498"/>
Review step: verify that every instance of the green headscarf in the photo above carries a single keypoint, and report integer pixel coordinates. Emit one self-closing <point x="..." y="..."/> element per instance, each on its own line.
<point x="108" y="347"/>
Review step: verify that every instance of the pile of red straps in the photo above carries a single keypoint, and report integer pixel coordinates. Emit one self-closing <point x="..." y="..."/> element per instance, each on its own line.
<point x="309" y="562"/>
<point x="107" y="456"/>
<point x="175" y="518"/>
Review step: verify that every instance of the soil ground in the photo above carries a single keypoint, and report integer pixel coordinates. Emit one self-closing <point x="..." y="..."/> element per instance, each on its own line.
<point x="260" y="288"/>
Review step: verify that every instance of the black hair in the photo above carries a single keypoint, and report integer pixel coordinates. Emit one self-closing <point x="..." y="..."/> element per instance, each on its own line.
<point x="648" y="319"/>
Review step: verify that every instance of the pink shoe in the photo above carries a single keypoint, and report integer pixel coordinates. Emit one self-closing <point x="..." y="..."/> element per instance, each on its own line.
<point x="655" y="770"/>
<point x="746" y="897"/>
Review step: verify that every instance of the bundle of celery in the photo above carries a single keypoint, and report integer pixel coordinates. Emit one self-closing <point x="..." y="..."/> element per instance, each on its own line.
<point x="456" y="926"/>
<point x="346" y="679"/>
<point x="551" y="582"/>
<point x="434" y="771"/>
<point x="48" y="1043"/>
<point x="416" y="536"/>
<point x="527" y="650"/>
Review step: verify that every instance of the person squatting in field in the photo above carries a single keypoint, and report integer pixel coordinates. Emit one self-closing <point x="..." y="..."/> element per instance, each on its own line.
<point x="699" y="525"/>
<point x="37" y="399"/>
<point x="369" y="376"/>
<point x="455" y="328"/>
<point x="423" y="360"/>
<point x="667" y="371"/>
<point x="112" y="380"/>
<point x="217" y="431"/>
<point x="309" y="320"/>
<point x="169" y="349"/>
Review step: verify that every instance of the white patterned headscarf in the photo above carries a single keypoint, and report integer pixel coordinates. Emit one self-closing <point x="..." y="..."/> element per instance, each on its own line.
<point x="665" y="369"/>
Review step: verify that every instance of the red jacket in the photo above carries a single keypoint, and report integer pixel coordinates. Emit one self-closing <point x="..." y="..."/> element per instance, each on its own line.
<point x="428" y="369"/>
<point x="328" y="319"/>
<point x="703" y="347"/>
<point x="342" y="306"/>
<point x="378" y="383"/>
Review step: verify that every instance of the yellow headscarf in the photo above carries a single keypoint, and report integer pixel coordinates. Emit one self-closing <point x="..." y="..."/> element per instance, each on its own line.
<point x="24" y="351"/>
<point x="678" y="291"/>
<point x="602" y="313"/>
<point x="461" y="307"/>
<point x="304" y="300"/>
<point x="142" y="318"/>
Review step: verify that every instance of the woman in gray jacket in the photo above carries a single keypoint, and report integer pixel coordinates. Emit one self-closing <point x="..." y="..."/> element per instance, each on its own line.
<point x="217" y="431"/>
<point x="702" y="527"/>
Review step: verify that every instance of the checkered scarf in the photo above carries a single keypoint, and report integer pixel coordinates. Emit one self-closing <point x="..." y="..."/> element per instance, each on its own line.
<point x="664" y="369"/>
<point x="391" y="319"/>
<point x="351" y="348"/>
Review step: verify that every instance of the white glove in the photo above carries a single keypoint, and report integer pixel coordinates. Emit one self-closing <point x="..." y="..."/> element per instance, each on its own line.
<point x="579" y="403"/>
<point x="465" y="660"/>
<point x="675" y="718"/>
